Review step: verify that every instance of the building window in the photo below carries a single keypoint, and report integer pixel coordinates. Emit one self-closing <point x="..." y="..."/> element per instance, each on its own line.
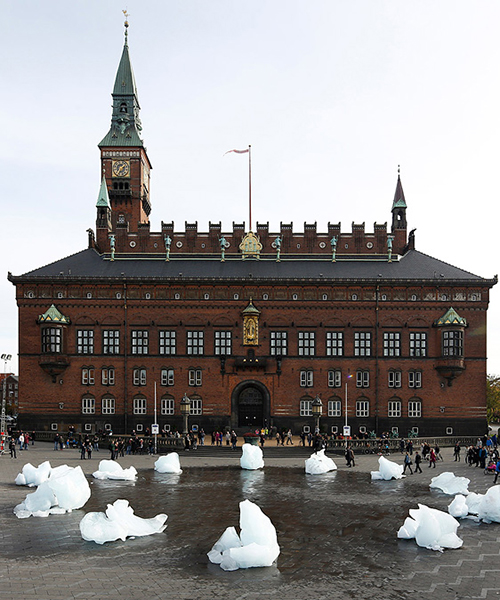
<point x="139" y="376"/>
<point x="279" y="343"/>
<point x="334" y="408"/>
<point x="139" y="406"/>
<point x="306" y="408"/>
<point x="51" y="340"/>
<point x="195" y="343"/>
<point x="194" y="377"/>
<point x="362" y="408"/>
<point x="362" y="379"/>
<point x="392" y="344"/>
<point x="222" y="343"/>
<point x="167" y="405"/>
<point x="362" y="343"/>
<point x="88" y="376"/>
<point x="111" y="341"/>
<point x="85" y="341"/>
<point x="306" y="378"/>
<point x="334" y="343"/>
<point x="394" y="408"/>
<point x="415" y="408"/>
<point x="196" y="406"/>
<point x="88" y="405"/>
<point x="453" y="343"/>
<point x="108" y="405"/>
<point x="415" y="379"/>
<point x="108" y="376"/>
<point x="167" y="377"/>
<point x="140" y="341"/>
<point x="418" y="343"/>
<point x="167" y="343"/>
<point x="394" y="379"/>
<point x="306" y="343"/>
<point x="335" y="378"/>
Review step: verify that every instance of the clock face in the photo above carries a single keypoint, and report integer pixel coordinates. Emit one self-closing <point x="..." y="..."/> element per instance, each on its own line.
<point x="121" y="168"/>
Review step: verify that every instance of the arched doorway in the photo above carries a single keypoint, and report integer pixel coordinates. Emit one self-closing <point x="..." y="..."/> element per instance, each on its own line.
<point x="250" y="405"/>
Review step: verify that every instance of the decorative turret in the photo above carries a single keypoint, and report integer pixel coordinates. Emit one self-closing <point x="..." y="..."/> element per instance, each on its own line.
<point x="103" y="207"/>
<point x="124" y="161"/>
<point x="398" y="227"/>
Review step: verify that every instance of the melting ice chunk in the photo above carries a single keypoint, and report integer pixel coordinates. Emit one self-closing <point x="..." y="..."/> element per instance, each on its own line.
<point x="118" y="523"/>
<point x="168" y="464"/>
<point x="33" y="476"/>
<point x="318" y="464"/>
<point x="252" y="457"/>
<point x="431" y="528"/>
<point x="256" y="546"/>
<point x="387" y="470"/>
<point x="67" y="488"/>
<point x="110" y="469"/>
<point x="485" y="506"/>
<point x="450" y="484"/>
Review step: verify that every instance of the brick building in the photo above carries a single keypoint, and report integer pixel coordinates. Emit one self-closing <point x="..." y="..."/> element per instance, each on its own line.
<point x="252" y="325"/>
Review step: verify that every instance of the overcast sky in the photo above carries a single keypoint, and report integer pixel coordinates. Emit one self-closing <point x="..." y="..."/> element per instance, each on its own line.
<point x="332" y="95"/>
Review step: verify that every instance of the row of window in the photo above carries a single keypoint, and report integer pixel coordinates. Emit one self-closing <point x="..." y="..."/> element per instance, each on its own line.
<point x="139" y="376"/>
<point x="452" y="342"/>
<point x="395" y="378"/>
<point x="334" y="407"/>
<point x="167" y="406"/>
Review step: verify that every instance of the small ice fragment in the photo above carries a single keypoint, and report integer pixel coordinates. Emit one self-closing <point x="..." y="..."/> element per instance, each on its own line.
<point x="252" y="457"/>
<point x="110" y="469"/>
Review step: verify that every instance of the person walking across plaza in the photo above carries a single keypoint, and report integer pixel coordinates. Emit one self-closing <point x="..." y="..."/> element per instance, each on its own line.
<point x="456" y="452"/>
<point x="432" y="458"/>
<point x="497" y="471"/>
<point x="418" y="460"/>
<point x="407" y="464"/>
<point x="12" y="448"/>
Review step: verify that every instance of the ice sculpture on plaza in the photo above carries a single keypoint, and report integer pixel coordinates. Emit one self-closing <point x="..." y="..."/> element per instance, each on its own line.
<point x="33" y="476"/>
<point x="168" y="464"/>
<point x="485" y="507"/>
<point x="319" y="463"/>
<point x="252" y="457"/>
<point x="256" y="546"/>
<point x="431" y="528"/>
<point x="66" y="489"/>
<point x="448" y="483"/>
<point x="118" y="523"/>
<point x="387" y="470"/>
<point x="110" y="469"/>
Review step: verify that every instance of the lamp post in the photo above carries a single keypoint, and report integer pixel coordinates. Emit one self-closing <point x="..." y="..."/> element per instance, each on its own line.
<point x="317" y="409"/>
<point x="185" y="410"/>
<point x="3" y="427"/>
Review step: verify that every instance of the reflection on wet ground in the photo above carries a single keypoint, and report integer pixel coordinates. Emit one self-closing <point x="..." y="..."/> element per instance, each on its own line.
<point x="341" y="523"/>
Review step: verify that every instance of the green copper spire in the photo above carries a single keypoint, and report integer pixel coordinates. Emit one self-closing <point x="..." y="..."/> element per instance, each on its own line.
<point x="125" y="122"/>
<point x="399" y="196"/>
<point x="52" y="315"/>
<point x="103" y="199"/>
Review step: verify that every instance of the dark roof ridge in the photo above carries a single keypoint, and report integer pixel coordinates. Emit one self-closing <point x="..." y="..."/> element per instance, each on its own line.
<point x="438" y="260"/>
<point x="63" y="258"/>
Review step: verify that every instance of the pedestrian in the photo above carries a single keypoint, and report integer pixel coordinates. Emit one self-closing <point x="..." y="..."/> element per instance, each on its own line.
<point x="437" y="451"/>
<point x="497" y="471"/>
<point x="88" y="447"/>
<point x="407" y="463"/>
<point x="456" y="452"/>
<point x="234" y="439"/>
<point x="82" y="451"/>
<point x="418" y="460"/>
<point x="432" y="458"/>
<point x="289" y="439"/>
<point x="12" y="448"/>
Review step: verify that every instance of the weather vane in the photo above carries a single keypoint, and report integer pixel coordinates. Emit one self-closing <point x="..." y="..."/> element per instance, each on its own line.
<point x="126" y="24"/>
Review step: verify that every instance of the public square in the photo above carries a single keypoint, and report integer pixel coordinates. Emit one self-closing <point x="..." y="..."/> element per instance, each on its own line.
<point x="337" y="532"/>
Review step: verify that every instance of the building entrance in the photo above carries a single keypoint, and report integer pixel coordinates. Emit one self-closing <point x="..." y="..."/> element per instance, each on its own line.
<point x="250" y="407"/>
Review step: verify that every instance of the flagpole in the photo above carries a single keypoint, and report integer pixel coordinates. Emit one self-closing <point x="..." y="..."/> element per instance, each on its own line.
<point x="250" y="187"/>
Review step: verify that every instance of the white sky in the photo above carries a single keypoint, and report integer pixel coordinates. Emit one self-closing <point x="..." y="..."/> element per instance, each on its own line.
<point x="332" y="96"/>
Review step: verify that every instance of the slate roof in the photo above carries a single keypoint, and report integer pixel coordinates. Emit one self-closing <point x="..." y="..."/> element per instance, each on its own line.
<point x="87" y="265"/>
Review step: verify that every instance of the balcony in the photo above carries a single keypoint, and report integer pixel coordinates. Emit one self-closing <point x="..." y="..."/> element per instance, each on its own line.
<point x="450" y="367"/>
<point x="54" y="364"/>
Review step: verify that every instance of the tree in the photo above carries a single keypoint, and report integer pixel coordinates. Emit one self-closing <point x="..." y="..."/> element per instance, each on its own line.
<point x="493" y="398"/>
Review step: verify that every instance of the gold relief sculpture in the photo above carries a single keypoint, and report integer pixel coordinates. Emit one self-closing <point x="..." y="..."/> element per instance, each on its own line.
<point x="251" y="325"/>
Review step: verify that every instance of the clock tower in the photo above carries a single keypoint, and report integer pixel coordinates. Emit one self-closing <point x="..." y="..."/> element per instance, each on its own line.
<point x="124" y="161"/>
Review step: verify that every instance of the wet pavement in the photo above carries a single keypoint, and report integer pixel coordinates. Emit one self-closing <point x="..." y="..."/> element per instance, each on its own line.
<point x="337" y="534"/>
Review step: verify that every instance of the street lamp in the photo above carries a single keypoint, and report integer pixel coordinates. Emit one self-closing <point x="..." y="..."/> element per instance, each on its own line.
<point x="185" y="410"/>
<point x="3" y="421"/>
<point x="317" y="409"/>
